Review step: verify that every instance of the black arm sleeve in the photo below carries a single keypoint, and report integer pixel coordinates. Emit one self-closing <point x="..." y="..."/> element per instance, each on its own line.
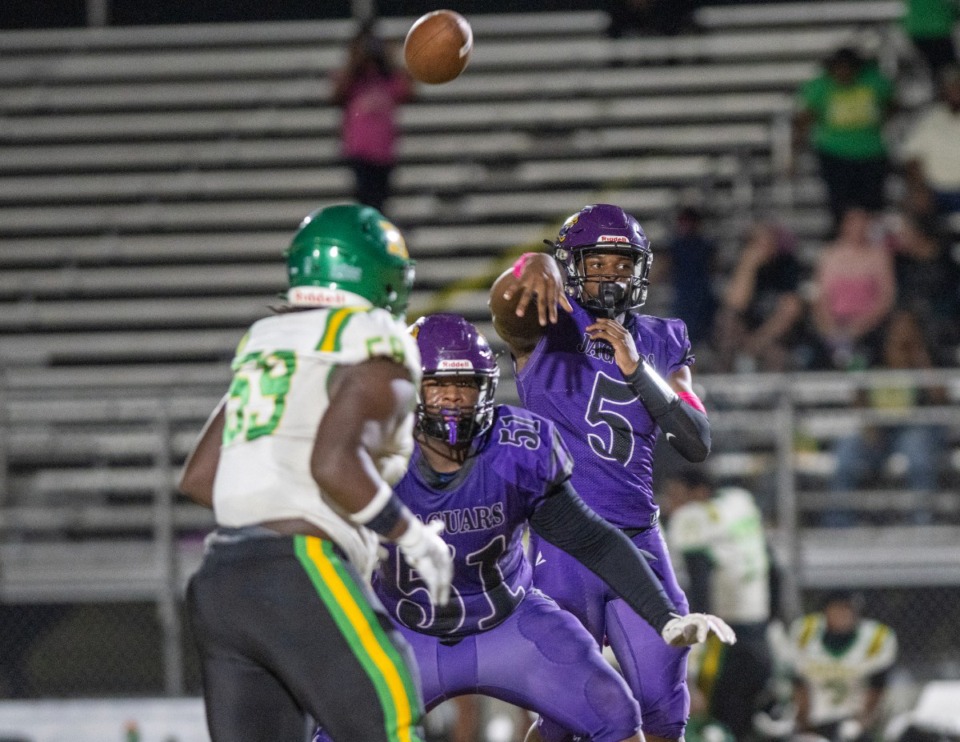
<point x="568" y="523"/>
<point x="687" y="429"/>
<point x="699" y="567"/>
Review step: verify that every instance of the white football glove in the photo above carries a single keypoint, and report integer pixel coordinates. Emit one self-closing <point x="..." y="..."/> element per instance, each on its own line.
<point x="694" y="628"/>
<point x="426" y="552"/>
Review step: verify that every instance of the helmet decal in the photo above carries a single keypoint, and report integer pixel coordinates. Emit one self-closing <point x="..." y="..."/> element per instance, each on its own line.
<point x="396" y="245"/>
<point x="455" y="365"/>
<point x="571" y="220"/>
<point x="318" y="296"/>
<point x="344" y="272"/>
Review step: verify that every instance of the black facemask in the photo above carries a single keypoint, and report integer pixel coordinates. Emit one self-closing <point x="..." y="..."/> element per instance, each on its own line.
<point x="610" y="300"/>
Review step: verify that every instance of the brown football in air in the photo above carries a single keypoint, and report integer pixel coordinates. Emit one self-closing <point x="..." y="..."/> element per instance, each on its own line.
<point x="438" y="47"/>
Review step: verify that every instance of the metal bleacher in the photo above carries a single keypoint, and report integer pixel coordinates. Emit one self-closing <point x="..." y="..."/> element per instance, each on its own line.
<point x="151" y="177"/>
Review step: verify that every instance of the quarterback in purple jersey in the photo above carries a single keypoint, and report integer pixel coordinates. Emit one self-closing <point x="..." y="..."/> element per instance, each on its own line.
<point x="488" y="471"/>
<point x="609" y="378"/>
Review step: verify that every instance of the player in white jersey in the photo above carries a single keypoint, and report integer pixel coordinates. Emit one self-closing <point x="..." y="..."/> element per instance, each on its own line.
<point x="840" y="664"/>
<point x="717" y="533"/>
<point x="297" y="462"/>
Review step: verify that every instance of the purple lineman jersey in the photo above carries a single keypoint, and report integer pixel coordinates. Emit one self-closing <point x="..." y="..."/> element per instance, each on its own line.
<point x="485" y="507"/>
<point x="498" y="636"/>
<point x="575" y="383"/>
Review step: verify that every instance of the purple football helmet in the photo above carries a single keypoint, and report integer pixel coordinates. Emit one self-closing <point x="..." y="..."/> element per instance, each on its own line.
<point x="604" y="228"/>
<point x="451" y="346"/>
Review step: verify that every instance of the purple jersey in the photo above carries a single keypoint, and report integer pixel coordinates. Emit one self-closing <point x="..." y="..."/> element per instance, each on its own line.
<point x="574" y="382"/>
<point x="485" y="506"/>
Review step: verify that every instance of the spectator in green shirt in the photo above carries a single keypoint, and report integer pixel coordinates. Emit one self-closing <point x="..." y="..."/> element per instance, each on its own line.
<point x="841" y="114"/>
<point x="929" y="25"/>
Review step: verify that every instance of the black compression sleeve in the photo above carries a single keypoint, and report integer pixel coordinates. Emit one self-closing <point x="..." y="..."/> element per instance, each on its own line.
<point x="654" y="392"/>
<point x="688" y="431"/>
<point x="568" y="523"/>
<point x="699" y="567"/>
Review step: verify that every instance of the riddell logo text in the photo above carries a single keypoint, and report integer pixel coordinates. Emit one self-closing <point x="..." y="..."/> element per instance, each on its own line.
<point x="317" y="295"/>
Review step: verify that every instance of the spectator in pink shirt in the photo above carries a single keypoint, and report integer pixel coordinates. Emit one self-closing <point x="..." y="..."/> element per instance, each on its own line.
<point x="369" y="89"/>
<point x="854" y="291"/>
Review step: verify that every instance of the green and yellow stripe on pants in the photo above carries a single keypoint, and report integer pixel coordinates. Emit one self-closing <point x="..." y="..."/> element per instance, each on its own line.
<point x="370" y="644"/>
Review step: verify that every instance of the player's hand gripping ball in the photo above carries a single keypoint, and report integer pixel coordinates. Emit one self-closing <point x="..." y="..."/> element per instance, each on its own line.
<point x="438" y="47"/>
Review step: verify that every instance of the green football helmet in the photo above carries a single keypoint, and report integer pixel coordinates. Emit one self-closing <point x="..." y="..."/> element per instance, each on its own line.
<point x="349" y="254"/>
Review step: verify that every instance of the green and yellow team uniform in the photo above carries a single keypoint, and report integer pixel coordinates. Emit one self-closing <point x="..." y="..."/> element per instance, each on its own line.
<point x="728" y="531"/>
<point x="838" y="679"/>
<point x="283" y="617"/>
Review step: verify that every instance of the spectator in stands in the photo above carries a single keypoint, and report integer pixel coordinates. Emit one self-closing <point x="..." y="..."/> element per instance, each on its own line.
<point x="841" y="112"/>
<point x="928" y="282"/>
<point x="718" y="535"/>
<point x="930" y="153"/>
<point x="690" y="255"/>
<point x="854" y="291"/>
<point x="864" y="452"/>
<point x="840" y="663"/>
<point x="369" y="89"/>
<point x="297" y="462"/>
<point x="761" y="309"/>
<point x="929" y="24"/>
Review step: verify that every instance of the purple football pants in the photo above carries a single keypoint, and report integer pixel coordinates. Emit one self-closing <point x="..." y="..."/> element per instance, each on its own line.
<point x="540" y="658"/>
<point x="655" y="672"/>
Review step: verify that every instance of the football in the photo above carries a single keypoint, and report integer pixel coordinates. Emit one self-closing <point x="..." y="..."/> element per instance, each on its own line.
<point x="438" y="47"/>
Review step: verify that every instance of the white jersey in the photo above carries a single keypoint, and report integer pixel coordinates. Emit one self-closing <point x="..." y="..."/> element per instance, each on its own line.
<point x="838" y="681"/>
<point x="727" y="528"/>
<point x="275" y="403"/>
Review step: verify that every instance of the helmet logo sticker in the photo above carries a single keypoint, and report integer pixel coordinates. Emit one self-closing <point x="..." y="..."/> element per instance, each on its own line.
<point x="395" y="242"/>
<point x="566" y="226"/>
<point x="613" y="238"/>
<point x="455" y="365"/>
<point x="344" y="272"/>
<point x="322" y="296"/>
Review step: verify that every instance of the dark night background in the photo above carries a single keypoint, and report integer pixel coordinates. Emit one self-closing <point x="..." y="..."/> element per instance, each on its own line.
<point x="21" y="14"/>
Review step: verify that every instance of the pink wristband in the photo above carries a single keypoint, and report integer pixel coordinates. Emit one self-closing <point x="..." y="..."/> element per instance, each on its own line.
<point x="693" y="400"/>
<point x="521" y="262"/>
